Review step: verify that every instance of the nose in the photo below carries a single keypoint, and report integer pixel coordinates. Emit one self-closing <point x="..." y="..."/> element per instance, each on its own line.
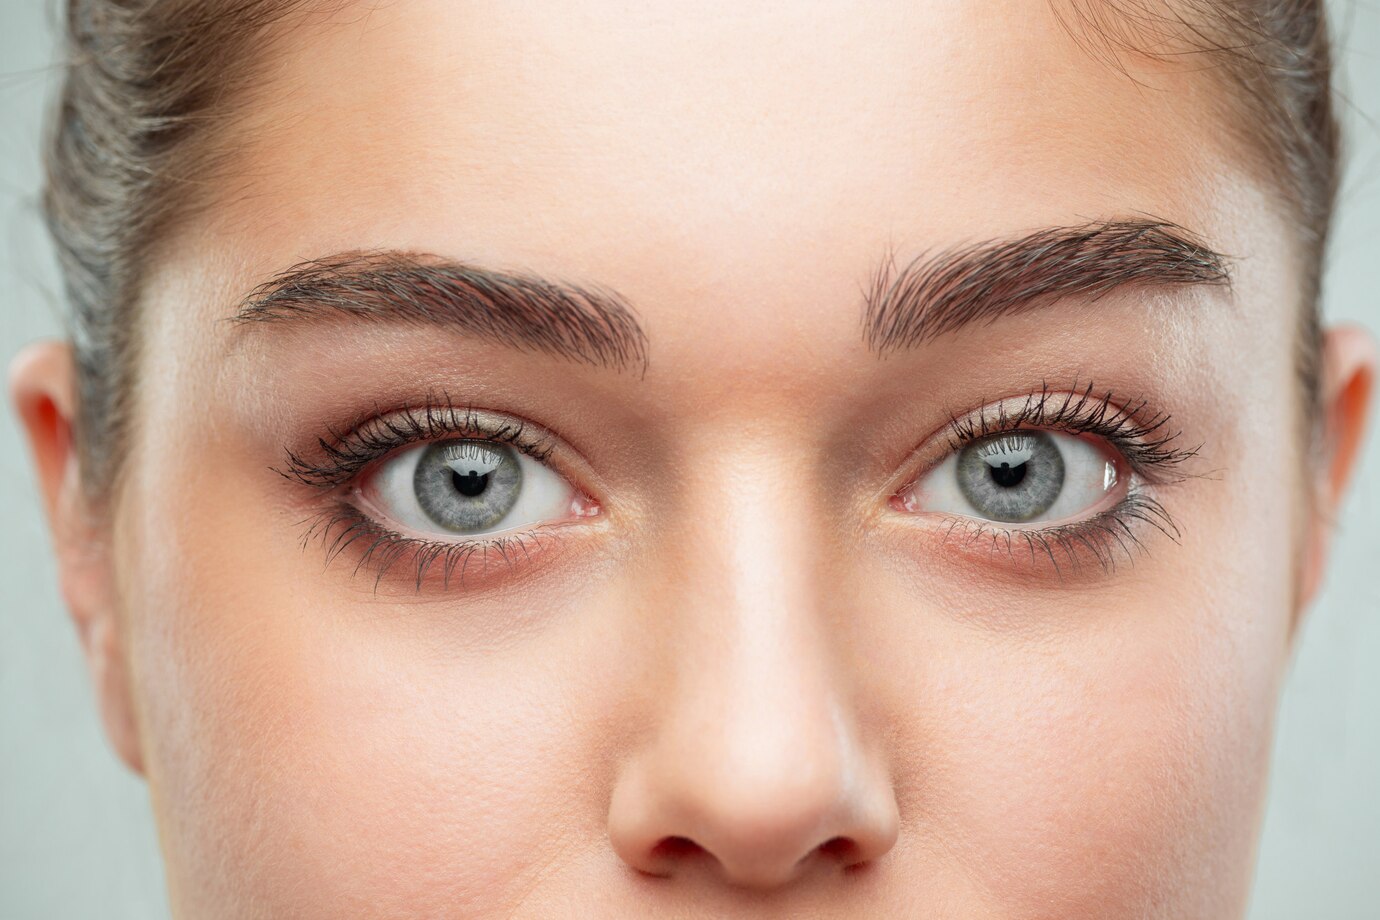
<point x="757" y="809"/>
<point x="753" y="770"/>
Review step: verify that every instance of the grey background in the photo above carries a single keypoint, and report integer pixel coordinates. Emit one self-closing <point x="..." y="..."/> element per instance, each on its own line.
<point x="76" y="836"/>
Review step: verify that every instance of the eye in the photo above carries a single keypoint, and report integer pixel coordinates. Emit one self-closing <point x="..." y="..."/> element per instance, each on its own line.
<point x="1018" y="477"/>
<point x="468" y="487"/>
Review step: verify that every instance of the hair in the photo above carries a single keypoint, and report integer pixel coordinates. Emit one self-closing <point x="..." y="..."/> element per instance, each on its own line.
<point x="1275" y="60"/>
<point x="148" y="81"/>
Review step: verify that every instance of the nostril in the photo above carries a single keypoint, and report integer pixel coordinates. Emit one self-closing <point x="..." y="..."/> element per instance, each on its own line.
<point x="842" y="850"/>
<point x="674" y="849"/>
<point x="673" y="852"/>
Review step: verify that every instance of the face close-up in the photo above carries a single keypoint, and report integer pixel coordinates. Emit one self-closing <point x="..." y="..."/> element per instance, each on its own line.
<point x="804" y="460"/>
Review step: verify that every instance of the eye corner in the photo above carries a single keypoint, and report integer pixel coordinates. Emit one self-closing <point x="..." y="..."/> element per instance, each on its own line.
<point x="584" y="505"/>
<point x="905" y="499"/>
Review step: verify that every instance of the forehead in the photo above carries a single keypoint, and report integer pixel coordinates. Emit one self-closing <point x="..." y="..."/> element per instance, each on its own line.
<point x="588" y="137"/>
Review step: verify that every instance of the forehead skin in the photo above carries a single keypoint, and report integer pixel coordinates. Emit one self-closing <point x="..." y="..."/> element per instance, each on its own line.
<point x="1093" y="749"/>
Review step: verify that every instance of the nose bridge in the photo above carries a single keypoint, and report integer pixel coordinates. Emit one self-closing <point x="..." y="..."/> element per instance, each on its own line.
<point x="745" y="605"/>
<point x="753" y="757"/>
<point x="760" y="661"/>
<point x="755" y="693"/>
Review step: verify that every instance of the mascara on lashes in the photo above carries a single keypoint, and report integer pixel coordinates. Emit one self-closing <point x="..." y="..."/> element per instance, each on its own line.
<point x="1144" y="438"/>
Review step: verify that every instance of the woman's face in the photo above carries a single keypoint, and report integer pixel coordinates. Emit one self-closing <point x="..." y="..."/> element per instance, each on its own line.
<point x="647" y="545"/>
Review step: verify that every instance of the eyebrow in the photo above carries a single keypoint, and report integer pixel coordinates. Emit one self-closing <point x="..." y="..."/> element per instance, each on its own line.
<point x="939" y="293"/>
<point x="592" y="325"/>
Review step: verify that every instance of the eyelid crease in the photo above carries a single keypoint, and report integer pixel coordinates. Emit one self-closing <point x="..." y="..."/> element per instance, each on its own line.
<point x="1146" y="440"/>
<point x="344" y="454"/>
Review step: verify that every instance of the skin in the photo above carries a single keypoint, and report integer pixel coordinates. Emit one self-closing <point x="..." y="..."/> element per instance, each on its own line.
<point x="749" y="648"/>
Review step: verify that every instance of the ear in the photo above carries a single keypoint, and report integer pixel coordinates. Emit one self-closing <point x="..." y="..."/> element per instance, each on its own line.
<point x="43" y="388"/>
<point x="1348" y="377"/>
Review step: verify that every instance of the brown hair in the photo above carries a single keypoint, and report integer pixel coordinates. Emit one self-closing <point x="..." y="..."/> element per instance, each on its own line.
<point x="1275" y="57"/>
<point x="146" y="80"/>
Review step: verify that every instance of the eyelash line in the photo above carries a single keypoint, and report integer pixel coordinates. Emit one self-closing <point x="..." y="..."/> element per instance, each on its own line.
<point x="1101" y="535"/>
<point x="1148" y="446"/>
<point x="384" y="548"/>
<point x="343" y="456"/>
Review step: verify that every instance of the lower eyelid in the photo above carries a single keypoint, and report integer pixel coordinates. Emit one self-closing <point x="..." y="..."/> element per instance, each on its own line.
<point x="1101" y="543"/>
<point x="353" y="540"/>
<point x="580" y="507"/>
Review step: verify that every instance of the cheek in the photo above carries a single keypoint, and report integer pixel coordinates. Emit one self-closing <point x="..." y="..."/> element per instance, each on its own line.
<point x="315" y="749"/>
<point x="1093" y="777"/>
<point x="1112" y="753"/>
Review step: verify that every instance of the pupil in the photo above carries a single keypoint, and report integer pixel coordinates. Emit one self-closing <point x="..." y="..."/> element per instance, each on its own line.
<point x="1007" y="476"/>
<point x="469" y="484"/>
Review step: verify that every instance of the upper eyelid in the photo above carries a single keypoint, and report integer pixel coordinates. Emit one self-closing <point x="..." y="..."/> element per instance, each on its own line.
<point x="343" y="457"/>
<point x="1146" y="438"/>
<point x="1064" y="410"/>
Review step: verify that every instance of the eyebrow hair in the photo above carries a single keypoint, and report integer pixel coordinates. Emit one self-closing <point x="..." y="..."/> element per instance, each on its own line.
<point x="943" y="292"/>
<point x="592" y="325"/>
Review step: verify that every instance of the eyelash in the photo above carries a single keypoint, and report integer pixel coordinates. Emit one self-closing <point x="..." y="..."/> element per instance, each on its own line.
<point x="344" y="456"/>
<point x="1144" y="438"/>
<point x="1148" y="445"/>
<point x="384" y="548"/>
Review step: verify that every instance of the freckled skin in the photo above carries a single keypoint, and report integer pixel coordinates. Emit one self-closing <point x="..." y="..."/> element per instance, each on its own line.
<point x="749" y="687"/>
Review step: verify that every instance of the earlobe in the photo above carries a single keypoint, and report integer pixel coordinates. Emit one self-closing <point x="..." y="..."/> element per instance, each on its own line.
<point x="43" y="390"/>
<point x="1348" y="376"/>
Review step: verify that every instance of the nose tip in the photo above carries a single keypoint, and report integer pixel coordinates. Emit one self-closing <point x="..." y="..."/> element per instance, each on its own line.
<point x="754" y="832"/>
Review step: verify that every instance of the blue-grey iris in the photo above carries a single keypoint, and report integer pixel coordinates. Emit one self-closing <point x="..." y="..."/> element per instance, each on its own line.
<point x="467" y="486"/>
<point x="1011" y="477"/>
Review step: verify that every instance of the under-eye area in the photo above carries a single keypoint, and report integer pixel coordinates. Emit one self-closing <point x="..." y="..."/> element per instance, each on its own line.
<point x="1061" y="480"/>
<point x="364" y="547"/>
